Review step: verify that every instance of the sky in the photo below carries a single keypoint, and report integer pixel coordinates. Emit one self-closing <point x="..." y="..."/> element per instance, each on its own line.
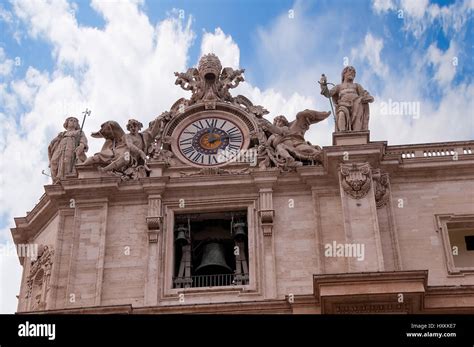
<point x="117" y="58"/>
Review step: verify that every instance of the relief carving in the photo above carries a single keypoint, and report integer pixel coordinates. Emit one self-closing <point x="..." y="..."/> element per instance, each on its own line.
<point x="381" y="185"/>
<point x="38" y="280"/>
<point x="209" y="82"/>
<point x="212" y="171"/>
<point x="355" y="179"/>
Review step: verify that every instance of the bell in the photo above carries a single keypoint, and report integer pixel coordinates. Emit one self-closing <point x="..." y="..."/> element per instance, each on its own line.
<point x="181" y="236"/>
<point x="213" y="260"/>
<point x="239" y="231"/>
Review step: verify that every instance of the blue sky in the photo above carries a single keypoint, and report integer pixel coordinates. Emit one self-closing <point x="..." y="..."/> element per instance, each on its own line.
<point x="118" y="58"/>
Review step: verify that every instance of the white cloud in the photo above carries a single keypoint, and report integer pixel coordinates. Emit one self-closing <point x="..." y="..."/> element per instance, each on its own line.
<point x="26" y="89"/>
<point x="223" y="46"/>
<point x="7" y="100"/>
<point x="6" y="65"/>
<point x="11" y="24"/>
<point x="58" y="26"/>
<point x="381" y="6"/>
<point x="415" y="8"/>
<point x="445" y="63"/>
<point x="285" y="51"/>
<point x="5" y="15"/>
<point x="419" y="15"/>
<point x="370" y="50"/>
<point x="447" y="121"/>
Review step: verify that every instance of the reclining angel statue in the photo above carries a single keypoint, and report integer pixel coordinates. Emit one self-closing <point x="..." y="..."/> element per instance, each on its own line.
<point x="286" y="147"/>
<point x="125" y="155"/>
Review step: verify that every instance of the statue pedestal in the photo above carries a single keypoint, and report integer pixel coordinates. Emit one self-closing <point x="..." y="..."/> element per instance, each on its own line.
<point x="86" y="171"/>
<point x="345" y="138"/>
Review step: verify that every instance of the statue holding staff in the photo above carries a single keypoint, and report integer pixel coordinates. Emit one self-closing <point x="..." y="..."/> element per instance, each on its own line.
<point x="67" y="149"/>
<point x="351" y="101"/>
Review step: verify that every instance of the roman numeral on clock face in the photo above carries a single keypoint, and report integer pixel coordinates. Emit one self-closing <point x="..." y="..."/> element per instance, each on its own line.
<point x="198" y="158"/>
<point x="188" y="150"/>
<point x="233" y="147"/>
<point x="211" y="123"/>
<point x="211" y="159"/>
<point x="235" y="138"/>
<point x="186" y="141"/>
<point x="199" y="125"/>
<point x="233" y="130"/>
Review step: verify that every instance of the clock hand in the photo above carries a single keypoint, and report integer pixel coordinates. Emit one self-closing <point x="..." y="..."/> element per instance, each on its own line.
<point x="210" y="138"/>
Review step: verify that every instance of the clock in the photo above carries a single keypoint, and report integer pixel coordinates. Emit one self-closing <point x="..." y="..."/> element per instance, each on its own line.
<point x="210" y="140"/>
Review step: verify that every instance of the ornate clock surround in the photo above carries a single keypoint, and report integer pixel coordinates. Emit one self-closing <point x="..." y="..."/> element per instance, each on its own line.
<point x="234" y="114"/>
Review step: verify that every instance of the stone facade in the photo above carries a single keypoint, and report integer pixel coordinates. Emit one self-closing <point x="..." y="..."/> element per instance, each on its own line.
<point x="105" y="261"/>
<point x="364" y="230"/>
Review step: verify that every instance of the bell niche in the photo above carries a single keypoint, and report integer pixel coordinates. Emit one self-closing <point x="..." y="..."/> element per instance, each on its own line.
<point x="211" y="250"/>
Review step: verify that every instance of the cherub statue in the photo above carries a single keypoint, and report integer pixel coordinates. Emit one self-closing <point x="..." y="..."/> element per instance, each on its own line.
<point x="67" y="149"/>
<point x="140" y="143"/>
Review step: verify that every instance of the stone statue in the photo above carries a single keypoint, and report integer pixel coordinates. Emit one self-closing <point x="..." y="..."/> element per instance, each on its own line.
<point x="229" y="79"/>
<point x="126" y="155"/>
<point x="190" y="80"/>
<point x="115" y="153"/>
<point x="140" y="143"/>
<point x="286" y="146"/>
<point x="67" y="149"/>
<point x="209" y="82"/>
<point x="161" y="121"/>
<point x="351" y="101"/>
<point x="136" y="140"/>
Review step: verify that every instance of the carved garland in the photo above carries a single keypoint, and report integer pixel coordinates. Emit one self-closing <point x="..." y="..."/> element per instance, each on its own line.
<point x="355" y="179"/>
<point x="381" y="180"/>
<point x="215" y="171"/>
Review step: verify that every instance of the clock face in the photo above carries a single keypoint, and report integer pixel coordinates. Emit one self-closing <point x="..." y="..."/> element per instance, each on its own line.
<point x="204" y="141"/>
